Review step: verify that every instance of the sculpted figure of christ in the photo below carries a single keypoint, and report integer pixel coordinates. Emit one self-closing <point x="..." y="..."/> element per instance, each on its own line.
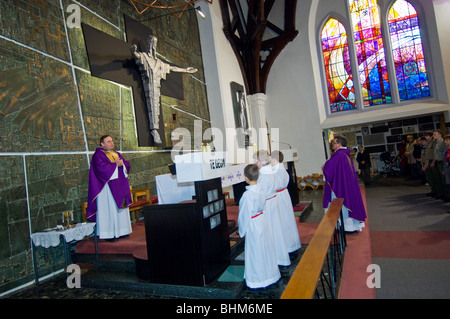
<point x="153" y="70"/>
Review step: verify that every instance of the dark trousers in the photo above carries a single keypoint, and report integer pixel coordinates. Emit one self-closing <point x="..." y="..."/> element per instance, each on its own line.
<point x="430" y="177"/>
<point x="365" y="175"/>
<point x="439" y="178"/>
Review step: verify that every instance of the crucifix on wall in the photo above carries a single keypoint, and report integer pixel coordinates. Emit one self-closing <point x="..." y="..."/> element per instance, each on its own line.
<point x="118" y="61"/>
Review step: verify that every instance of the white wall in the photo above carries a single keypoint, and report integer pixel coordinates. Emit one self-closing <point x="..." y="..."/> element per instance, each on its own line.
<point x="292" y="96"/>
<point x="221" y="68"/>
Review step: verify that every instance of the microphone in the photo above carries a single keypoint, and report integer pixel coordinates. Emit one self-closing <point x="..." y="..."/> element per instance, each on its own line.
<point x="282" y="143"/>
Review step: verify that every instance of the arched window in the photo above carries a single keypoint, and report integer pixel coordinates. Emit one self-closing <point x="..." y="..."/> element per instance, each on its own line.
<point x="373" y="75"/>
<point x="374" y="80"/>
<point x="337" y="66"/>
<point x="407" y="51"/>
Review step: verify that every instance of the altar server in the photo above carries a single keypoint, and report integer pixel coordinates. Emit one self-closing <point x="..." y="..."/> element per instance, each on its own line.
<point x="261" y="268"/>
<point x="267" y="181"/>
<point x="289" y="225"/>
<point x="109" y="192"/>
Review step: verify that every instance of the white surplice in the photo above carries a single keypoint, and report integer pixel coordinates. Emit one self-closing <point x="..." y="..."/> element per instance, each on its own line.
<point x="267" y="181"/>
<point x="112" y="221"/>
<point x="261" y="268"/>
<point x="288" y="223"/>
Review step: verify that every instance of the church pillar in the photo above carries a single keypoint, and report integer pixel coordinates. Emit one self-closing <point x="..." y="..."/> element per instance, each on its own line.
<point x="257" y="109"/>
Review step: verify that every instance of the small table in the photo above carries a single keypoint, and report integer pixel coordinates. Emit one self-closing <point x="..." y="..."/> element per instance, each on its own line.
<point x="69" y="236"/>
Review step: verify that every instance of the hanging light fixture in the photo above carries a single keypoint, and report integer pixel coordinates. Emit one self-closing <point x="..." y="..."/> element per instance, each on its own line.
<point x="141" y="6"/>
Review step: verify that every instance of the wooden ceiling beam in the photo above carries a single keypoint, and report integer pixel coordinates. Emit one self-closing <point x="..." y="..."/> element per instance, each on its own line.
<point x="245" y="32"/>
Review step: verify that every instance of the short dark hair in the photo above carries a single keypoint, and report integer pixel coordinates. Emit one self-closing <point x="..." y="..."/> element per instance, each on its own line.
<point x="103" y="138"/>
<point x="440" y="132"/>
<point x="251" y="171"/>
<point x="341" y="139"/>
<point x="277" y="155"/>
<point x="447" y="137"/>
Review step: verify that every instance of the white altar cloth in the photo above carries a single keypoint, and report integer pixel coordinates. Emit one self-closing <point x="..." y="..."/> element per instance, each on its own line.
<point x="52" y="238"/>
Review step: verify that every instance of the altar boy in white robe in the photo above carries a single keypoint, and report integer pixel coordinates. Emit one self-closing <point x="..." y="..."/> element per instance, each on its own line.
<point x="267" y="181"/>
<point x="261" y="268"/>
<point x="290" y="230"/>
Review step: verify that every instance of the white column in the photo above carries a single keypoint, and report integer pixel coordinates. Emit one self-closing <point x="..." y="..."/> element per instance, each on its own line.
<point x="257" y="109"/>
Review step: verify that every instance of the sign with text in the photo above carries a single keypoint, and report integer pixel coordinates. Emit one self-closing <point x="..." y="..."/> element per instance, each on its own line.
<point x="200" y="166"/>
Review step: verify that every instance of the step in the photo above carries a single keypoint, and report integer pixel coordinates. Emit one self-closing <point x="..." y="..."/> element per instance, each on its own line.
<point x="122" y="281"/>
<point x="118" y="262"/>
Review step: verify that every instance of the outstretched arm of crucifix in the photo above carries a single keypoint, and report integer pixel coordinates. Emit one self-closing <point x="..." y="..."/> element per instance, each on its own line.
<point x="187" y="70"/>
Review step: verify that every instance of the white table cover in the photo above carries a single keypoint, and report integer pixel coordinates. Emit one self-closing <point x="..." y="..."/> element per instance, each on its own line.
<point x="52" y="238"/>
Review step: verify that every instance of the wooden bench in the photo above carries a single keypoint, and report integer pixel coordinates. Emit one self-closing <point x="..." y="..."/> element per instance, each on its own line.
<point x="303" y="283"/>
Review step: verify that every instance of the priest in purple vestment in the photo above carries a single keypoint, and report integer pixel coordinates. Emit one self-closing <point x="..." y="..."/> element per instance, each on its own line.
<point x="109" y="191"/>
<point x="341" y="181"/>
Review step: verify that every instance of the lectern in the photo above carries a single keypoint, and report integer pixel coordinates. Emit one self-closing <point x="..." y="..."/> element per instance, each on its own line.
<point x="188" y="242"/>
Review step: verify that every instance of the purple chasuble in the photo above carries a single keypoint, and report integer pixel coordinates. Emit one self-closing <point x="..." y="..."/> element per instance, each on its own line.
<point x="100" y="173"/>
<point x="341" y="179"/>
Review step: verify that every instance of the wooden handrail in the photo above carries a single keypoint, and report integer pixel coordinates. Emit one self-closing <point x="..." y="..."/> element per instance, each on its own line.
<point x="303" y="282"/>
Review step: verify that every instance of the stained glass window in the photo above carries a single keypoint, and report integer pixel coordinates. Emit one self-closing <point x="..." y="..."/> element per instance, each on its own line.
<point x="407" y="51"/>
<point x="373" y="75"/>
<point x="337" y="66"/>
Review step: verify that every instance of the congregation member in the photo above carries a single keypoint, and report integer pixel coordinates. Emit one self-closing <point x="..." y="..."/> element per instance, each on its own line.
<point x="260" y="263"/>
<point x="267" y="181"/>
<point x="438" y="164"/>
<point x="446" y="167"/>
<point x="363" y="159"/>
<point x="422" y="142"/>
<point x="289" y="225"/>
<point x="417" y="156"/>
<point x="341" y="181"/>
<point x="109" y="192"/>
<point x="428" y="158"/>
<point x="409" y="153"/>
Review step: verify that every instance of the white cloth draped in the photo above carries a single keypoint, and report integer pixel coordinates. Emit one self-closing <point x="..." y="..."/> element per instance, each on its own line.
<point x="52" y="238"/>
<point x="267" y="181"/>
<point x="289" y="225"/>
<point x="261" y="268"/>
<point x="112" y="221"/>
